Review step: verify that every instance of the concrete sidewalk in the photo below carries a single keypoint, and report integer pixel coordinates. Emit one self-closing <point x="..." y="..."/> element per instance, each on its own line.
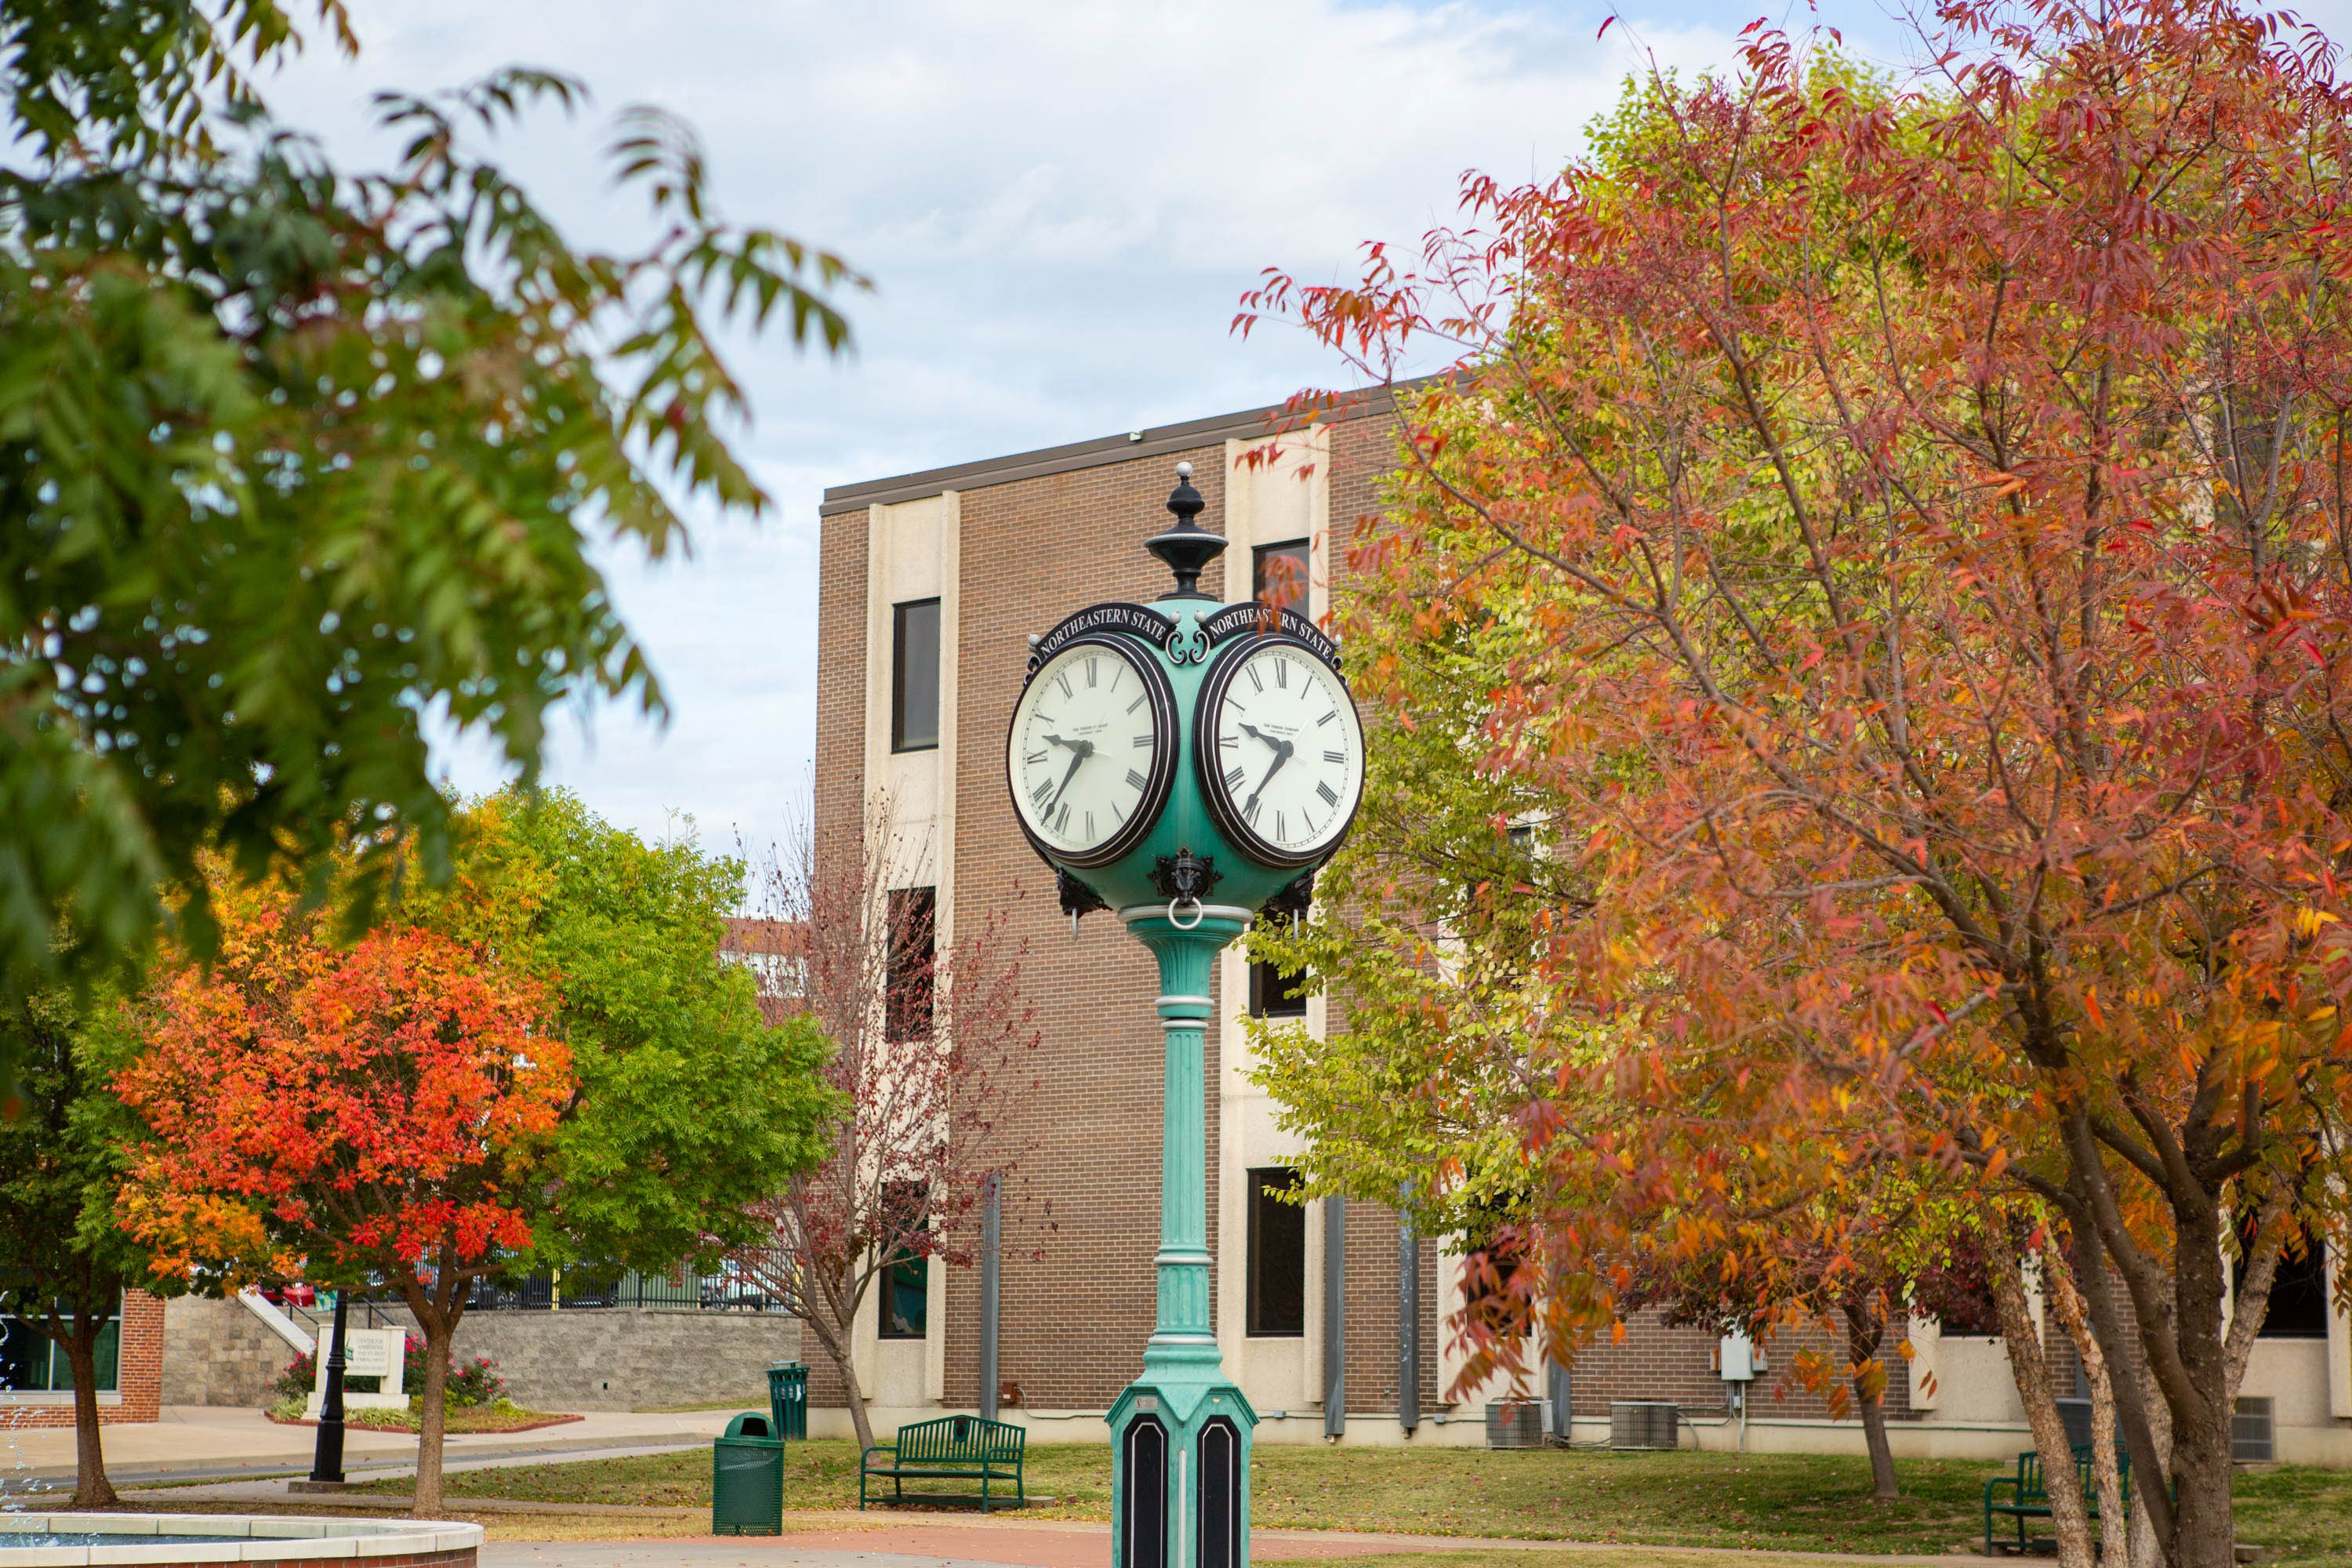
<point x="954" y="1540"/>
<point x="193" y="1440"/>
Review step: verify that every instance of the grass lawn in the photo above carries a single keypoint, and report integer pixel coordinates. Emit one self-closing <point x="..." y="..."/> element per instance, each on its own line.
<point x="1791" y="1502"/>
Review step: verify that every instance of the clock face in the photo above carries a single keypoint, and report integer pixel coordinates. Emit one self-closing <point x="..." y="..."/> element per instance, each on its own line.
<point x="1093" y="750"/>
<point x="1281" y="750"/>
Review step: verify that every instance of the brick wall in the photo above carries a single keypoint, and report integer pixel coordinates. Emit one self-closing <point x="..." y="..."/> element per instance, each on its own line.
<point x="1082" y="1216"/>
<point x="1657" y="1363"/>
<point x="140" y="1380"/>
<point x="1086" y="1202"/>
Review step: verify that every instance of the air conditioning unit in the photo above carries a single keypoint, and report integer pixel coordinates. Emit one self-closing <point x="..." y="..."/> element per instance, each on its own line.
<point x="2251" y="1432"/>
<point x="1636" y="1425"/>
<point x="1515" y="1424"/>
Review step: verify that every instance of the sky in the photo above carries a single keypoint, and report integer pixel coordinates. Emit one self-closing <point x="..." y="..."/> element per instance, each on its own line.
<point x="1059" y="205"/>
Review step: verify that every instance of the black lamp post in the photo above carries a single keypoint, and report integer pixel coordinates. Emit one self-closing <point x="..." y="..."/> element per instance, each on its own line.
<point x="326" y="1463"/>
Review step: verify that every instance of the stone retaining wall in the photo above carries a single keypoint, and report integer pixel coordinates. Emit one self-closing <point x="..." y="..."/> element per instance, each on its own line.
<point x="218" y="1352"/>
<point x="631" y="1358"/>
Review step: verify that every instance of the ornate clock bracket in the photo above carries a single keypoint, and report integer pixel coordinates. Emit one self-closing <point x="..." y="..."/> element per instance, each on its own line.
<point x="1294" y="900"/>
<point x="1077" y="898"/>
<point x="1184" y="876"/>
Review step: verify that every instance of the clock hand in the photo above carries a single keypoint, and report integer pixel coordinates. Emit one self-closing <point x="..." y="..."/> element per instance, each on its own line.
<point x="1070" y="745"/>
<point x="1281" y="755"/>
<point x="1255" y="733"/>
<point x="1081" y="750"/>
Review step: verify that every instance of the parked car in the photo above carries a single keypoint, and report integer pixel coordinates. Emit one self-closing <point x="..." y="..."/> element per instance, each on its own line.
<point x="730" y="1292"/>
<point x="293" y="1293"/>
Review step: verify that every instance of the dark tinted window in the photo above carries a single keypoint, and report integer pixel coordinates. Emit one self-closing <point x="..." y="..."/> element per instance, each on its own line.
<point x="1277" y="1255"/>
<point x="2298" y="1307"/>
<point x="915" y="676"/>
<point x="907" y="1011"/>
<point x="1278" y="575"/>
<point x="1274" y="994"/>
<point x="905" y="1286"/>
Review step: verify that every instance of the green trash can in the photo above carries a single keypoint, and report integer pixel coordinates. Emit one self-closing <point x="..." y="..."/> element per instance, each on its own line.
<point x="788" y="1399"/>
<point x="746" y="1479"/>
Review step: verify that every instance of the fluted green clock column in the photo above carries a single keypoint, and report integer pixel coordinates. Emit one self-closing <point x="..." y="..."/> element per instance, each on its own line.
<point x="1186" y="764"/>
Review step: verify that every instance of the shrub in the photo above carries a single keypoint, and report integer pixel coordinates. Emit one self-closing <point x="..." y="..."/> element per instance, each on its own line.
<point x="476" y="1383"/>
<point x="296" y="1381"/>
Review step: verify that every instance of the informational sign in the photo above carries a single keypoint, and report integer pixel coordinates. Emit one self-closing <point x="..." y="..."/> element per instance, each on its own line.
<point x="374" y="1353"/>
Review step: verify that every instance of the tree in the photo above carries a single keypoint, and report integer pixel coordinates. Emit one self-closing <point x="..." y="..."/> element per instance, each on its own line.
<point x="1917" y="516"/>
<point x="679" y="1107"/>
<point x="377" y="1111"/>
<point x="293" y="455"/>
<point x="64" y="1263"/>
<point x="692" y="1105"/>
<point x="933" y="1053"/>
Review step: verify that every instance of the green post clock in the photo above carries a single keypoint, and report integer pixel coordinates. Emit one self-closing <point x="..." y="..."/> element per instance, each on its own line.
<point x="1185" y="765"/>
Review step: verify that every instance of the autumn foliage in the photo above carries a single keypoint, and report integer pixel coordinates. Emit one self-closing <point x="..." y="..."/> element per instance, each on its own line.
<point x="1905" y="526"/>
<point x="342" y="1113"/>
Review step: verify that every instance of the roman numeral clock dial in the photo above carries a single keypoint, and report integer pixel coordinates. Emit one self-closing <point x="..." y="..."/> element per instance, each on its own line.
<point x="1281" y="750"/>
<point x="1092" y="752"/>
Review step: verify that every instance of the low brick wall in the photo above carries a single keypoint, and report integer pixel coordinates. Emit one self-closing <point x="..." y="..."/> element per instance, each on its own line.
<point x="218" y="1352"/>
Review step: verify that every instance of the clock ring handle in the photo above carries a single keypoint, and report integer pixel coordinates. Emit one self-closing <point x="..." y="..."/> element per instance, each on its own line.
<point x="1181" y="924"/>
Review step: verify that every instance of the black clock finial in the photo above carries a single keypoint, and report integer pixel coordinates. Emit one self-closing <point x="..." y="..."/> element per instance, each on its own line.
<point x="1187" y="548"/>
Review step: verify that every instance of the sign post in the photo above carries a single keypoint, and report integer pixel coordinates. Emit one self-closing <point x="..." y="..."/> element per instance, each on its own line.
<point x="1186" y="764"/>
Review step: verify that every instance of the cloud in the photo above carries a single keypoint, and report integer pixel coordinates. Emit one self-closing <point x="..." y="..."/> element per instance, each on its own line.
<point x="1061" y="204"/>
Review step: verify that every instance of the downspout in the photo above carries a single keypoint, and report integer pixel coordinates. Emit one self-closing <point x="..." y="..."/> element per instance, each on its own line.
<point x="1335" y="1317"/>
<point x="1408" y="1324"/>
<point x="991" y="1249"/>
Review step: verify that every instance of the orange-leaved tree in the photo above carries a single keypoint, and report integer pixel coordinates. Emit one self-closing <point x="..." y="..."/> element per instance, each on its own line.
<point x="371" y="1109"/>
<point x="1916" y="517"/>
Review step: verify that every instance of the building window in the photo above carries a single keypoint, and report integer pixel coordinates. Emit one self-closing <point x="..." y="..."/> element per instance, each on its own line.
<point x="1278" y="1255"/>
<point x="906" y="1280"/>
<point x="1278" y="575"/>
<point x="32" y="1363"/>
<point x="907" y="1010"/>
<point x="2298" y="1304"/>
<point x="1274" y="994"/>
<point x="915" y="676"/>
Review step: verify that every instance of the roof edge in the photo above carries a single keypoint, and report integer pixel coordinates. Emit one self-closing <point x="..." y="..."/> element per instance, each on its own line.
<point x="1151" y="442"/>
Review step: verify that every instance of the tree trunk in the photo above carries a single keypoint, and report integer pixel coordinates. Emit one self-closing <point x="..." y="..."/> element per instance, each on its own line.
<point x="432" y="1412"/>
<point x="836" y="1342"/>
<point x="91" y="1488"/>
<point x="2114" y="1543"/>
<point x="2203" y="1535"/>
<point x="1865" y="1330"/>
<point x="2032" y="1373"/>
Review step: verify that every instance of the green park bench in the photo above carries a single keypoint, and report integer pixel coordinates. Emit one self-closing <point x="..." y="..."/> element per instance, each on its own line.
<point x="2030" y="1500"/>
<point x="954" y="1447"/>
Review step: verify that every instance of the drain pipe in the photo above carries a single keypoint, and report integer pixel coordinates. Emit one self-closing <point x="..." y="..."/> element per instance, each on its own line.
<point x="991" y="1249"/>
<point x="1335" y="1317"/>
<point x="1408" y="1324"/>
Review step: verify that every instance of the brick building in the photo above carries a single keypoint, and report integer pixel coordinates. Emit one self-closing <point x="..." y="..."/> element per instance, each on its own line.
<point x="930" y="584"/>
<point x="36" y="1389"/>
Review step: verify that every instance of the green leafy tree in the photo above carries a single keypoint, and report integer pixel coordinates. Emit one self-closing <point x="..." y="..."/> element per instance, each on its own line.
<point x="64" y="1264"/>
<point x="294" y="456"/>
<point x="692" y="1106"/>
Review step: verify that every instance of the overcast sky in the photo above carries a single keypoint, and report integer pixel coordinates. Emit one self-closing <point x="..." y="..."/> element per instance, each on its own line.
<point x="1059" y="205"/>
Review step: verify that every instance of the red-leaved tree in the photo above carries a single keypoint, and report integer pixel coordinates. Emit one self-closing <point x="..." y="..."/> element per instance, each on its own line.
<point x="1915" y="517"/>
<point x="343" y="1111"/>
<point x="934" y="1050"/>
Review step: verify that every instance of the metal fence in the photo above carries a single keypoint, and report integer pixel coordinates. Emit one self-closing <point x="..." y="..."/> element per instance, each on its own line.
<point x="721" y="1292"/>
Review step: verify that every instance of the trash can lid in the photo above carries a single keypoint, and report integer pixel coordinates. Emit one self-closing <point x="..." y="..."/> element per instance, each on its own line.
<point x="751" y="1424"/>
